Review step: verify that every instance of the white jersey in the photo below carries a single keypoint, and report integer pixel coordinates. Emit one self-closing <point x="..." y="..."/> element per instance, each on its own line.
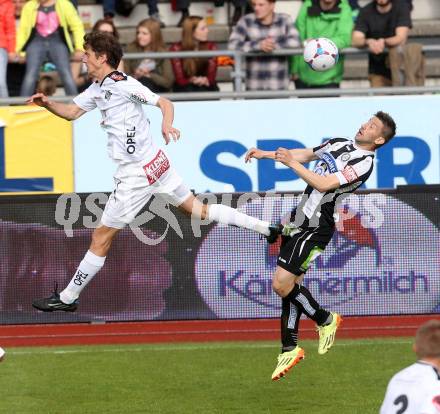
<point x="120" y="98"/>
<point x="414" y="390"/>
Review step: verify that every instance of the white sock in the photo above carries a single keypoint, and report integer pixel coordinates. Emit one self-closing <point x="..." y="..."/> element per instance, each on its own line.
<point x="90" y="265"/>
<point x="227" y="215"/>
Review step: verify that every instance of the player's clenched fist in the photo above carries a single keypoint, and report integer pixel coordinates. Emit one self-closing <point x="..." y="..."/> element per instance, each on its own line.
<point x="284" y="156"/>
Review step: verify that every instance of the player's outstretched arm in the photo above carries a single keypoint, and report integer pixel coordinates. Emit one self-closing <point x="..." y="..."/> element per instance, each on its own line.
<point x="168" y="131"/>
<point x="319" y="182"/>
<point x="258" y="154"/>
<point x="303" y="155"/>
<point x="69" y="112"/>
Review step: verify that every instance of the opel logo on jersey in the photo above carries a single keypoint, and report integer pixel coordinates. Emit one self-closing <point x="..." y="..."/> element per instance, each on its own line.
<point x="107" y="95"/>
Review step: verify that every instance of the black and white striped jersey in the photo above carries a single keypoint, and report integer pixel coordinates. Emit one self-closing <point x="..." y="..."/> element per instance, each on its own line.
<point x="351" y="164"/>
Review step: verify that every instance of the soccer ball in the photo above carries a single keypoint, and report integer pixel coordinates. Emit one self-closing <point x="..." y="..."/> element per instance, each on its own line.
<point x="321" y="54"/>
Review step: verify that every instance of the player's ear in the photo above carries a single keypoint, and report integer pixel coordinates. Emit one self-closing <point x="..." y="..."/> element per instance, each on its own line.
<point x="102" y="58"/>
<point x="379" y="141"/>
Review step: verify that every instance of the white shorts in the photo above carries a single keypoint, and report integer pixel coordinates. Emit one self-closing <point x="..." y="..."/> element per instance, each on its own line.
<point x="134" y="186"/>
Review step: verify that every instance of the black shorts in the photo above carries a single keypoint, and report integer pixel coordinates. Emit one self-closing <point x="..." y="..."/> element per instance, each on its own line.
<point x="297" y="252"/>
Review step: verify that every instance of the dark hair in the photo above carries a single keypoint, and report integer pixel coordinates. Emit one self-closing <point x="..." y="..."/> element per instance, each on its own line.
<point x="389" y="126"/>
<point x="428" y="340"/>
<point x="47" y="85"/>
<point x="103" y="43"/>
<point x="96" y="27"/>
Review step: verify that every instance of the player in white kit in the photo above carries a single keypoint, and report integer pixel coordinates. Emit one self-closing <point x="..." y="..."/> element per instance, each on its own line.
<point x="416" y="389"/>
<point x="143" y="168"/>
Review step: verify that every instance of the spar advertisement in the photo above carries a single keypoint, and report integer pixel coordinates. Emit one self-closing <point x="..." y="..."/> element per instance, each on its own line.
<point x="217" y="134"/>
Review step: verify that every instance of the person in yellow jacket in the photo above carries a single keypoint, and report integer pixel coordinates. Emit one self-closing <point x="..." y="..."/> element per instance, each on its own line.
<point x="49" y="30"/>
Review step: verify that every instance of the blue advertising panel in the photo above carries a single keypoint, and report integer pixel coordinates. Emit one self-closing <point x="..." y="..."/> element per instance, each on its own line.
<point x="217" y="134"/>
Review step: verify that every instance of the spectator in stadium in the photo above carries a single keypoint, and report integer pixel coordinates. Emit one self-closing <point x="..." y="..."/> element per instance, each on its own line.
<point x="416" y="389"/>
<point x="44" y="33"/>
<point x="322" y="18"/>
<point x="7" y="42"/>
<point x="265" y="31"/>
<point x="194" y="74"/>
<point x="382" y="24"/>
<point x="106" y="26"/>
<point x="125" y="8"/>
<point x="16" y="65"/>
<point x="79" y="69"/>
<point x="156" y="74"/>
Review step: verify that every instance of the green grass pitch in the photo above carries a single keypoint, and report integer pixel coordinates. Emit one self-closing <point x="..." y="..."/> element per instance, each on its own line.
<point x="199" y="378"/>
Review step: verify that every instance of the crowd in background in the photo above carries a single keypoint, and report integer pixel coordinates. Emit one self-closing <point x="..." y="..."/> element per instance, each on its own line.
<point x="39" y="37"/>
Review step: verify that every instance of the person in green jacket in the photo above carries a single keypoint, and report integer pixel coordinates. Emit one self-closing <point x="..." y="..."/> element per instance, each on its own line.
<point x="322" y="18"/>
<point x="49" y="30"/>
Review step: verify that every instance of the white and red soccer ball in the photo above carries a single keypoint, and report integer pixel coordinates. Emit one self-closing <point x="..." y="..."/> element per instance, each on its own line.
<point x="321" y="54"/>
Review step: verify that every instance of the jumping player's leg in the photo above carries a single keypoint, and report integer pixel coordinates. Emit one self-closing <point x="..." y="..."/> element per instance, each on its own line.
<point x="91" y="264"/>
<point x="227" y="215"/>
<point x="289" y="287"/>
<point x="297" y="299"/>
<point x="297" y="252"/>
<point x="124" y="203"/>
<point x="283" y="282"/>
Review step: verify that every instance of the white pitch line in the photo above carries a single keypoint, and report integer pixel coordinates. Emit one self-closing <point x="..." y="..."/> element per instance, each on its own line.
<point x="200" y="347"/>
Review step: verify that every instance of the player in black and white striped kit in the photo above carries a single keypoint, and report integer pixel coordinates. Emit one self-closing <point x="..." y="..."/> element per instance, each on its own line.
<point x="342" y="166"/>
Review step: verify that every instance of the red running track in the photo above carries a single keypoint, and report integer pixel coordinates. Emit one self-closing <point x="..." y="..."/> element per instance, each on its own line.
<point x="198" y="331"/>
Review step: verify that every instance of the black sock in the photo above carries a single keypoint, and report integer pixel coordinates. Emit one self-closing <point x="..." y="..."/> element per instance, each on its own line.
<point x="290" y="316"/>
<point x="303" y="299"/>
